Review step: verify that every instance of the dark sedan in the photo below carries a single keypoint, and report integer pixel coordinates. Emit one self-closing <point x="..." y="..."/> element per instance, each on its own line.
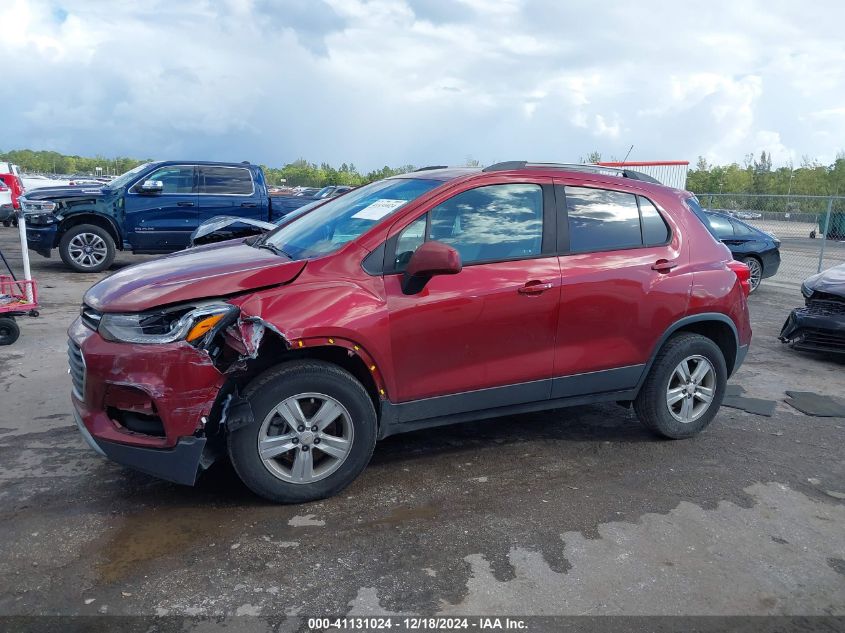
<point x="819" y="326"/>
<point x="755" y="248"/>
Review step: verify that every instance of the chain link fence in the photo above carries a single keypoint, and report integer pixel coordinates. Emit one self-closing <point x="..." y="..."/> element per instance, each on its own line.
<point x="811" y="229"/>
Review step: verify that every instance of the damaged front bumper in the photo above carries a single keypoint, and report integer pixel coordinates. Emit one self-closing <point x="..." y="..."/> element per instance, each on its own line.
<point x="818" y="326"/>
<point x="181" y="464"/>
<point x="145" y="406"/>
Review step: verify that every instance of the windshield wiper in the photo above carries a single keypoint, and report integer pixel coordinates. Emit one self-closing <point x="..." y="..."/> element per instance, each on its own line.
<point x="273" y="249"/>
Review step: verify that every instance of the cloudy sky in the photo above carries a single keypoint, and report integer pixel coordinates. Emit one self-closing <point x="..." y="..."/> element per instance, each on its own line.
<point x="423" y="81"/>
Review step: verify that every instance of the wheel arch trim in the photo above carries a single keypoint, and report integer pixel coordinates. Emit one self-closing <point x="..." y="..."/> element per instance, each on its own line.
<point x="702" y="317"/>
<point x="75" y="219"/>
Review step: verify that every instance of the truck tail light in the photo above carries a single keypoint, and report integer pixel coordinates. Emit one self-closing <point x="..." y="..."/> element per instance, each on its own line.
<point x="743" y="273"/>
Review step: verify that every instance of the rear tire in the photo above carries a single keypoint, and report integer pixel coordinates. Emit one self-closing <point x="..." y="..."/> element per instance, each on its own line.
<point x="756" y="268"/>
<point x="87" y="248"/>
<point x="306" y="456"/>
<point x="673" y="401"/>
<point x="9" y="331"/>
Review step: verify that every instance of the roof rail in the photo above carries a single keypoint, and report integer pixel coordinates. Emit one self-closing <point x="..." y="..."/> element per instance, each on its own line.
<point x="431" y="167"/>
<point x="589" y="168"/>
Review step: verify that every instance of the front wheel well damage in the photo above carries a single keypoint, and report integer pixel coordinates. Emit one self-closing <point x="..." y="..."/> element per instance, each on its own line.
<point x="231" y="411"/>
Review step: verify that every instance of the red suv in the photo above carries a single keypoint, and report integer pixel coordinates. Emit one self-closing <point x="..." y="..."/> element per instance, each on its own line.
<point x="439" y="296"/>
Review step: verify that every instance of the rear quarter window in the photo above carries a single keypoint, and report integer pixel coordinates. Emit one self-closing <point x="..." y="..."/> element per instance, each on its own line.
<point x="655" y="230"/>
<point x="742" y="230"/>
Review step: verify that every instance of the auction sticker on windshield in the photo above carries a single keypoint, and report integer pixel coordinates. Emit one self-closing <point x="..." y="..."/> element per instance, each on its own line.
<point x="378" y="209"/>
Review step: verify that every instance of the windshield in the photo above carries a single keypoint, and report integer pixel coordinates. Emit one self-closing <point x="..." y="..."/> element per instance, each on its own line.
<point x="124" y="178"/>
<point x="343" y="219"/>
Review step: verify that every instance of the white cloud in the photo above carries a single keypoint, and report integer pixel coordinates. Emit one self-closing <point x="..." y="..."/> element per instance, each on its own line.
<point x="423" y="81"/>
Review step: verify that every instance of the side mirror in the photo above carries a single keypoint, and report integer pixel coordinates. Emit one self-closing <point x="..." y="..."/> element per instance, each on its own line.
<point x="430" y="259"/>
<point x="152" y="186"/>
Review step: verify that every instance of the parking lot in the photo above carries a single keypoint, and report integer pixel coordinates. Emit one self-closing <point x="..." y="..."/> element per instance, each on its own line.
<point x="572" y="512"/>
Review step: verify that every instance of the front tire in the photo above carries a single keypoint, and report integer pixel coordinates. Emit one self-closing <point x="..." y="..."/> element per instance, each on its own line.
<point x="684" y="388"/>
<point x="314" y="431"/>
<point x="87" y="248"/>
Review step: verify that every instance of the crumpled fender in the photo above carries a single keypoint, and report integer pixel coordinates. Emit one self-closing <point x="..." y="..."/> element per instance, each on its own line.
<point x="318" y="314"/>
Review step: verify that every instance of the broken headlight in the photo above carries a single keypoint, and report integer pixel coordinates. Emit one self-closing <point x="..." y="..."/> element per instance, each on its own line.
<point x="164" y="326"/>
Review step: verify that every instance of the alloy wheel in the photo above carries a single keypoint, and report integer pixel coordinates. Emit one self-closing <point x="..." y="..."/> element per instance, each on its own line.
<point x="691" y="389"/>
<point x="88" y="250"/>
<point x="305" y="438"/>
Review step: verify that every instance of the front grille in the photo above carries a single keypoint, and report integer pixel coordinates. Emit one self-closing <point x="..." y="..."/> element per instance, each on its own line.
<point x="90" y="317"/>
<point x="824" y="307"/>
<point x="76" y="369"/>
<point x="815" y="340"/>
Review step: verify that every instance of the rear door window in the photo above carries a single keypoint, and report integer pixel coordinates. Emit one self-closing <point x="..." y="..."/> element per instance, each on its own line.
<point x="225" y="181"/>
<point x="602" y="220"/>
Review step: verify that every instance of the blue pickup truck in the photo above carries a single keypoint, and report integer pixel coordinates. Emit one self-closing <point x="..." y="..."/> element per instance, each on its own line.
<point x="153" y="208"/>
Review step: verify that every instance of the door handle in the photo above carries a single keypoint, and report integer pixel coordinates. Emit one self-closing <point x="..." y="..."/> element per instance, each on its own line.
<point x="184" y="203"/>
<point x="249" y="204"/>
<point x="534" y="287"/>
<point x="663" y="265"/>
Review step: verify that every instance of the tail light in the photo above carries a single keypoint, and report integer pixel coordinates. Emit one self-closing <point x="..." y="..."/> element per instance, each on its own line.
<point x="743" y="273"/>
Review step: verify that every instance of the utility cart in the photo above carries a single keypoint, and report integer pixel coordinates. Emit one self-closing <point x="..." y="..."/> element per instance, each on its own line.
<point x="18" y="297"/>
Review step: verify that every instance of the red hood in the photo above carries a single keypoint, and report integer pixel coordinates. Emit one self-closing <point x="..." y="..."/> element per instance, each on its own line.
<point x="198" y="273"/>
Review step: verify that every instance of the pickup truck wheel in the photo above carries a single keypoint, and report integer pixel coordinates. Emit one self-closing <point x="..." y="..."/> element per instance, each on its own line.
<point x="684" y="388"/>
<point x="9" y="331"/>
<point x="87" y="248"/>
<point x="314" y="431"/>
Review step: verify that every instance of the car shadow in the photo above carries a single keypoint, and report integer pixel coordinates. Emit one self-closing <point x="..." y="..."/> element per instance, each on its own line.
<point x="593" y="424"/>
<point x="590" y="424"/>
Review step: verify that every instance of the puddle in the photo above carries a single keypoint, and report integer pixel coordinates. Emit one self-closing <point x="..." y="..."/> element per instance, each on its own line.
<point x="153" y="535"/>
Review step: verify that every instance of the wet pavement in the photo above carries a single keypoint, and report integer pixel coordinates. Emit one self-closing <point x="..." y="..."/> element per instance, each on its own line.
<point x="576" y="511"/>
